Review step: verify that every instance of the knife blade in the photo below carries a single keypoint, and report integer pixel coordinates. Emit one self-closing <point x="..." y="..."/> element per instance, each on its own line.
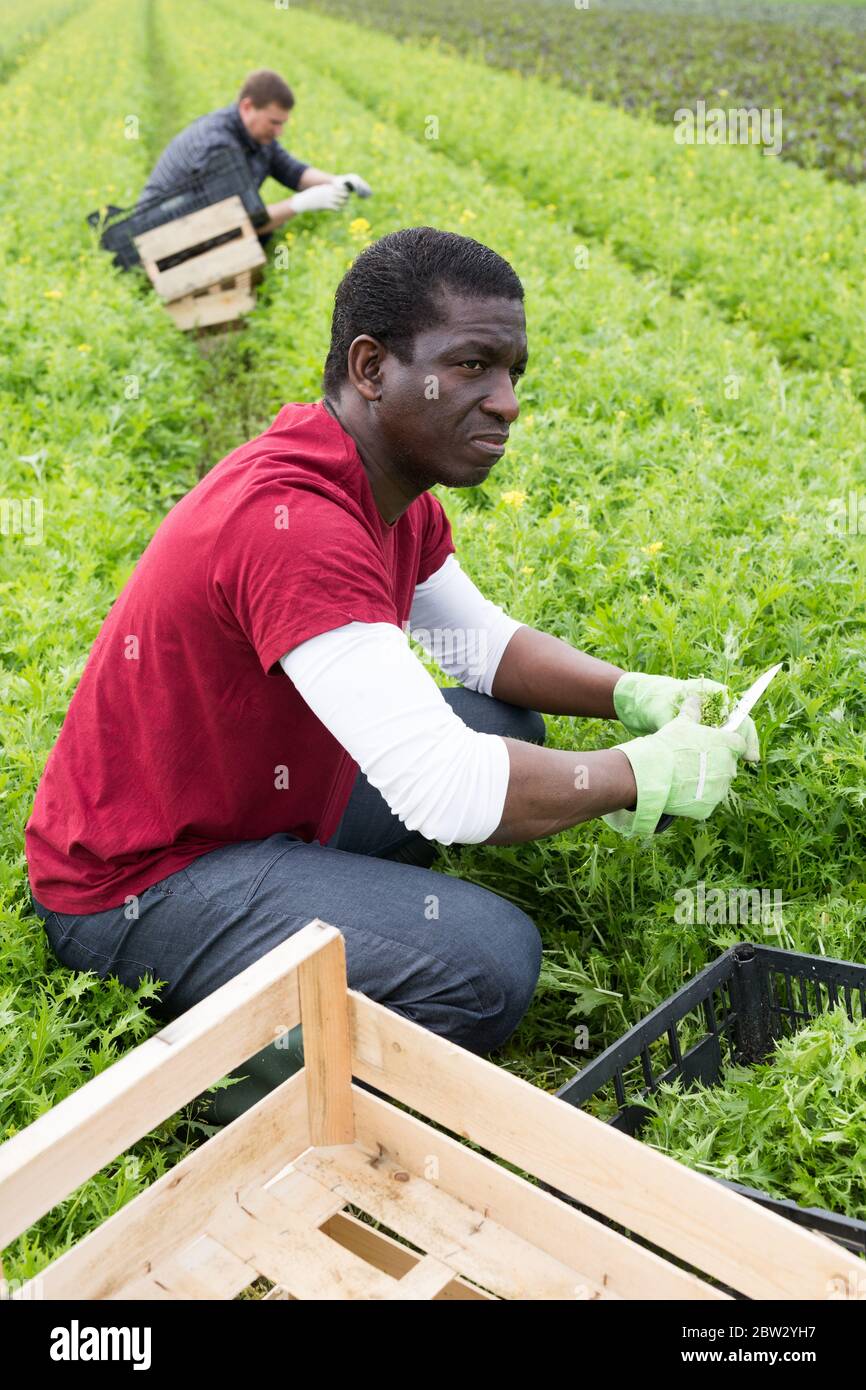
<point x="742" y="708"/>
<point x="747" y="702"/>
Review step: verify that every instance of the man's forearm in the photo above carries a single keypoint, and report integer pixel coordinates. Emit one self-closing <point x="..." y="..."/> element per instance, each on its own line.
<point x="550" y="790"/>
<point x="311" y="176"/>
<point x="541" y="672"/>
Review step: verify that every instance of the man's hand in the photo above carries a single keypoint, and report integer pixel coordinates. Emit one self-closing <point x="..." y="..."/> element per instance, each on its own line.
<point x="356" y="183"/>
<point x="322" y="197"/>
<point x="646" y="703"/>
<point x="684" y="769"/>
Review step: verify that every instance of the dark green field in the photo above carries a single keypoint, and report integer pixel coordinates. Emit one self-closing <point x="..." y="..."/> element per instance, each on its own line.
<point x="808" y="61"/>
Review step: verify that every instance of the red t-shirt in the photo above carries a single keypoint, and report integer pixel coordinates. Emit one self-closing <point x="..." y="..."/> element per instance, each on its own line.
<point x="184" y="729"/>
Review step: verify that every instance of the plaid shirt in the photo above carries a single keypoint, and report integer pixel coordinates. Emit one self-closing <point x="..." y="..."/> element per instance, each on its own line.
<point x="190" y="151"/>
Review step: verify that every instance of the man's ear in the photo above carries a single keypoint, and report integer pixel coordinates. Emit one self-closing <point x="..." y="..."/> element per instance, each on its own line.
<point x="364" y="364"/>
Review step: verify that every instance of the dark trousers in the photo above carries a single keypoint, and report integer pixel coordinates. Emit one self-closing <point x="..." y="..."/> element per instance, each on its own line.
<point x="454" y="957"/>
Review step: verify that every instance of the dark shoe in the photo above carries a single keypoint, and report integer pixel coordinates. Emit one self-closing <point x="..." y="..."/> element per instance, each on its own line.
<point x="261" y="1073"/>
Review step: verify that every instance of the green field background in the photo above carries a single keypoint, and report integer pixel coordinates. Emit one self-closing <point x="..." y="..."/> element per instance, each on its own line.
<point x="692" y="414"/>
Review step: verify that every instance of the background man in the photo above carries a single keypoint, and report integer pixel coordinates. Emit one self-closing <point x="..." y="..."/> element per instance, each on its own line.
<point x="253" y="742"/>
<point x="252" y="126"/>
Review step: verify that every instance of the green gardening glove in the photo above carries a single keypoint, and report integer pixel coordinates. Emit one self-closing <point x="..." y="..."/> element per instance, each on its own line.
<point x="684" y="769"/>
<point x="644" y="703"/>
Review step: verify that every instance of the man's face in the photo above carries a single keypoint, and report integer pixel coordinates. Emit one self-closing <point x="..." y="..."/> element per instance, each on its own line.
<point x="445" y="416"/>
<point x="264" y="123"/>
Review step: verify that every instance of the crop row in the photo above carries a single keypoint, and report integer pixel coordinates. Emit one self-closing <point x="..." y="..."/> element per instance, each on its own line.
<point x="100" y="408"/>
<point x="26" y="23"/>
<point x="656" y="58"/>
<point x="779" y="247"/>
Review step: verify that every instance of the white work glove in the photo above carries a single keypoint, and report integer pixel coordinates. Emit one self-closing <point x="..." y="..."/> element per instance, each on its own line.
<point x="356" y="183"/>
<point x="322" y="197"/>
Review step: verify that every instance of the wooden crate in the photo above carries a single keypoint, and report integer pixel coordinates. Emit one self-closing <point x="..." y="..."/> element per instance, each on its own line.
<point x="267" y="1195"/>
<point x="215" y="284"/>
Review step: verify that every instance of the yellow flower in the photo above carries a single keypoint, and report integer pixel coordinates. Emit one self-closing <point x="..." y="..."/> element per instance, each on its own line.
<point x="467" y="215"/>
<point x="53" y="294"/>
<point x="653" y="548"/>
<point x="84" y="347"/>
<point x="360" y="227"/>
<point x="723" y="91"/>
<point x="790" y="517"/>
<point x="514" y="499"/>
<point x="825" y="256"/>
<point x="527" y="569"/>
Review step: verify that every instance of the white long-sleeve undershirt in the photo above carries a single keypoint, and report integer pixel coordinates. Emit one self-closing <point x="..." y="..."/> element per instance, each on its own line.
<point x="464" y="632"/>
<point x="365" y="684"/>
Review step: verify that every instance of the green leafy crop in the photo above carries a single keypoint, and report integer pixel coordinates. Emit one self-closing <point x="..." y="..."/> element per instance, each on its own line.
<point x="714" y="708"/>
<point x="675" y="497"/>
<point x="793" y="1126"/>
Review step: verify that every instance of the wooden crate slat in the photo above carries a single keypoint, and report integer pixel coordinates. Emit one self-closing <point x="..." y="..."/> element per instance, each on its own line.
<point x="143" y="1289"/>
<point x="217" y="306"/>
<point x="683" y="1212"/>
<point x="191" y="229"/>
<point x="174" y="1210"/>
<point x="455" y="1233"/>
<point x="68" y="1144"/>
<point x="284" y="1246"/>
<point x="389" y="1255"/>
<point x="205" y="1269"/>
<point x="296" y="1192"/>
<point x="425" y="1281"/>
<point x="208" y="268"/>
<point x="327" y="1044"/>
<point x="607" y="1259"/>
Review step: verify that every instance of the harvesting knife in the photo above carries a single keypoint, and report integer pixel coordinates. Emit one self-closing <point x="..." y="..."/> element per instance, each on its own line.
<point x="743" y="707"/>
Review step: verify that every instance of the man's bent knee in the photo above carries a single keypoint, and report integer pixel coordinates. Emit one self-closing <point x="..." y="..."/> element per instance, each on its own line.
<point x="512" y="978"/>
<point x="488" y="715"/>
<point x="529" y="725"/>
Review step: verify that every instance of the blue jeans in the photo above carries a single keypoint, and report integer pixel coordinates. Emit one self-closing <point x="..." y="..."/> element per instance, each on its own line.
<point x="452" y="956"/>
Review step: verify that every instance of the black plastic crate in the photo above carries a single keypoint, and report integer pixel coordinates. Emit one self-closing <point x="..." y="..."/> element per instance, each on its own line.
<point x="729" y="1014"/>
<point x="225" y="175"/>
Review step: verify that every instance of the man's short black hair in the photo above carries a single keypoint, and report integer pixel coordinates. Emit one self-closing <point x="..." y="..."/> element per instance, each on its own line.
<point x="393" y="291"/>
